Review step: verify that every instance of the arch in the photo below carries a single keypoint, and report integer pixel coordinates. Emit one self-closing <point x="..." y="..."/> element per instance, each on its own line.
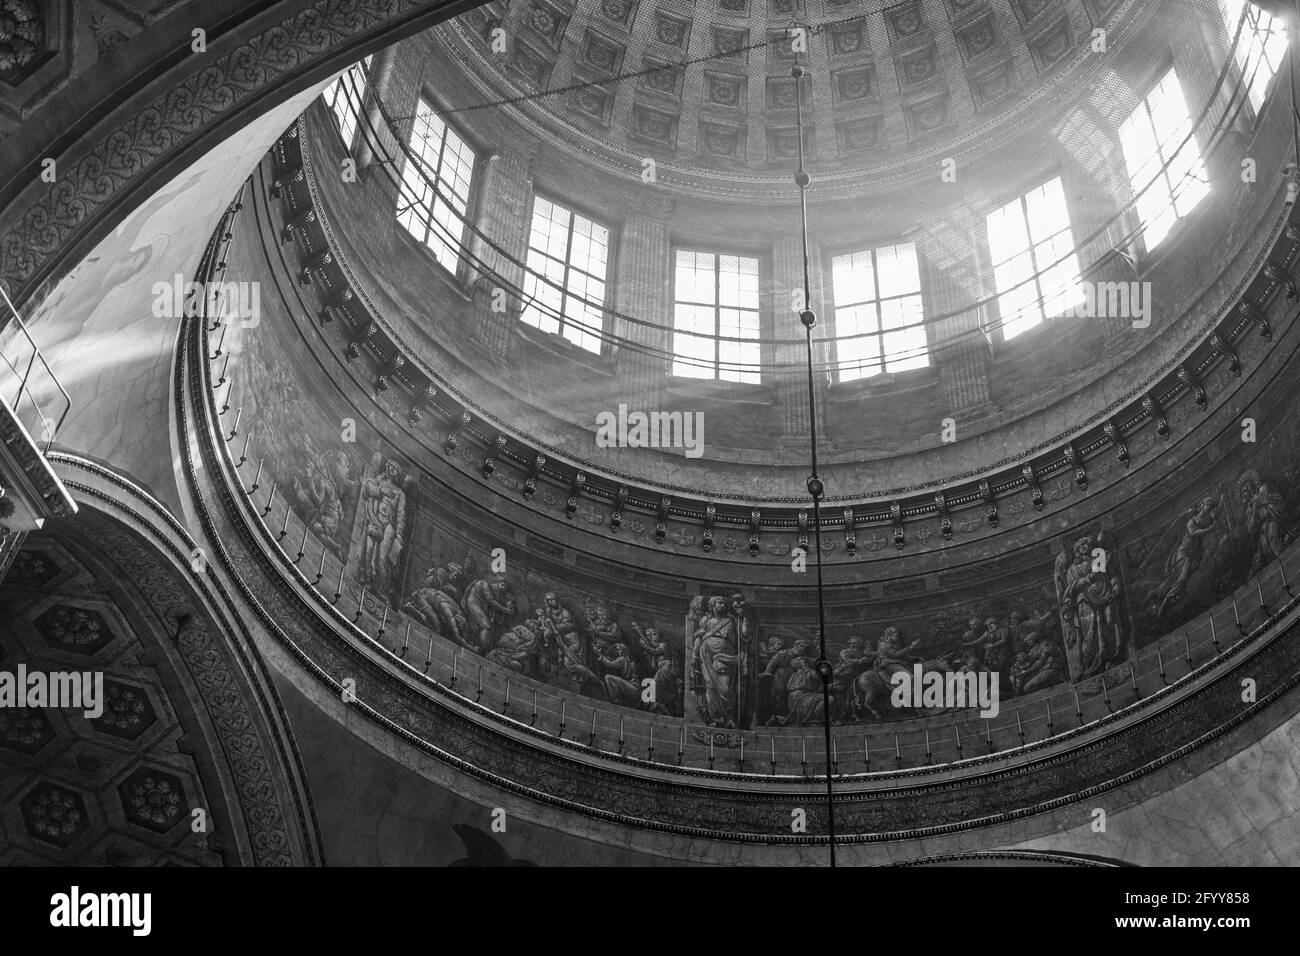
<point x="191" y="721"/>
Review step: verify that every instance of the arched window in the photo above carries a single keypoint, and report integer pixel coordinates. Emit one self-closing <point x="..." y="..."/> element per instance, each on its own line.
<point x="716" y="316"/>
<point x="878" y="312"/>
<point x="442" y="159"/>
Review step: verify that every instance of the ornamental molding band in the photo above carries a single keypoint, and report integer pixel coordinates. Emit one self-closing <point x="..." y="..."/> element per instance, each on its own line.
<point x="188" y="105"/>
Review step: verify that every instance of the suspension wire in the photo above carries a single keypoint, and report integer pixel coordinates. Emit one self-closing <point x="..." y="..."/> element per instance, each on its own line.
<point x="815" y="487"/>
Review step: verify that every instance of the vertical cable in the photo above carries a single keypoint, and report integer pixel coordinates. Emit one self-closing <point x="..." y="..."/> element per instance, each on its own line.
<point x="815" y="487"/>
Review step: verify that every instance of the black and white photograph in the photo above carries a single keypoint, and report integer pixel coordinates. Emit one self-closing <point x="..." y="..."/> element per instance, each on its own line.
<point x="645" y="433"/>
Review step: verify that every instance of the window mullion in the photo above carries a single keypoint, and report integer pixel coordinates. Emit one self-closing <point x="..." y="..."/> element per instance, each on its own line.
<point x="1033" y="256"/>
<point x="437" y="175"/>
<point x="880" y="319"/>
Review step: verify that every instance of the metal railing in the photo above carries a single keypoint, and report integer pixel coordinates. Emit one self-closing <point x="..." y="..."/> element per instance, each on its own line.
<point x="26" y="381"/>
<point x="1162" y="668"/>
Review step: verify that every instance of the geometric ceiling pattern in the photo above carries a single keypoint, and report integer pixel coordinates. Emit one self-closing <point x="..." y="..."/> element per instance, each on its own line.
<point x="709" y="83"/>
<point x="117" y="789"/>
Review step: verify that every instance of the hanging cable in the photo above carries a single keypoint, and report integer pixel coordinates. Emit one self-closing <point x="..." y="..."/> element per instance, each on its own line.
<point x="815" y="487"/>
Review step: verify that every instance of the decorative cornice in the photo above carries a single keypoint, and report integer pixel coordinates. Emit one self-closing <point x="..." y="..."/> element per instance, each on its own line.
<point x="649" y="204"/>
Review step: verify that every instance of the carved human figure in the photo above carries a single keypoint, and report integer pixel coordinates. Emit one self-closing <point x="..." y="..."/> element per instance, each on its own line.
<point x="620" y="676"/>
<point x="487" y="604"/>
<point x="892" y="656"/>
<point x="1092" y="620"/>
<point x="694" y="615"/>
<point x="518" y="647"/>
<point x="1186" y="557"/>
<point x="779" y="670"/>
<point x="1264" y="515"/>
<point x="659" y="657"/>
<point x="384" y="502"/>
<point x="872" y="689"/>
<point x="437" y="601"/>
<point x="604" y="629"/>
<point x="717" y="662"/>
<point x="807" y="702"/>
<point x="572" y="655"/>
<point x="1041" y="664"/>
<point x="852" y="661"/>
<point x="742" y="629"/>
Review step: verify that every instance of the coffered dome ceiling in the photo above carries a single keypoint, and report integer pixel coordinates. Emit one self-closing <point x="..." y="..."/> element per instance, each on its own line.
<point x="705" y="89"/>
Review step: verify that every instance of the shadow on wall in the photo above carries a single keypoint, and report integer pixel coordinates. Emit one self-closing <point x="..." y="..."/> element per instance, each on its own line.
<point x="483" y="849"/>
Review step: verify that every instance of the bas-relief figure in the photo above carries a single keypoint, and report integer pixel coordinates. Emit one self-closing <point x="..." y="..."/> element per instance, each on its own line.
<point x="362" y="516"/>
<point x="321" y="484"/>
<point x="578" y="647"/>
<point x="1229" y="534"/>
<point x="436" y="603"/>
<point x="720" y="633"/>
<point x="1093" y="604"/>
<point x="1023" y="648"/>
<point x="383" y="527"/>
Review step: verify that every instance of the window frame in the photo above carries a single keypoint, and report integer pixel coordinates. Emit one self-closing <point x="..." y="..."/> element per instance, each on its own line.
<point x="1162" y="180"/>
<point x="885" y="373"/>
<point x="1251" y="36"/>
<point x="762" y="267"/>
<point x="611" y="259"/>
<point x="349" y="136"/>
<point x="479" y="154"/>
<point x="1020" y="198"/>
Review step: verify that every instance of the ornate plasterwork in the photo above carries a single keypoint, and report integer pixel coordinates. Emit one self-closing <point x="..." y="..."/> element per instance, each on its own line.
<point x="245" y="714"/>
<point x="207" y="91"/>
<point x="1046" y="66"/>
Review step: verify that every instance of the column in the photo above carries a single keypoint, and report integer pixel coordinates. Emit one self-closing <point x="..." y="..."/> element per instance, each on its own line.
<point x="395" y="81"/>
<point x="952" y="281"/>
<point x="791" y="375"/>
<point x="642" y="283"/>
<point x="505" y="181"/>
